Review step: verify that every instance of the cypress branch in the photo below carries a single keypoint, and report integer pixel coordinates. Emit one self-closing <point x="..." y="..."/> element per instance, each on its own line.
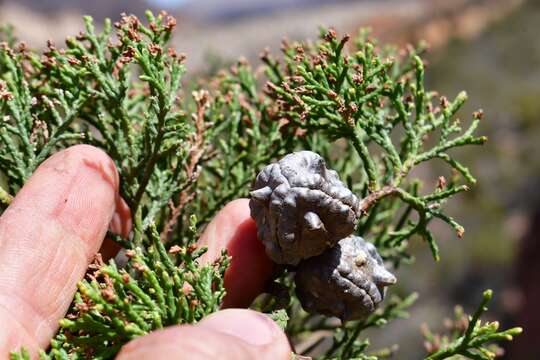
<point x="183" y="155"/>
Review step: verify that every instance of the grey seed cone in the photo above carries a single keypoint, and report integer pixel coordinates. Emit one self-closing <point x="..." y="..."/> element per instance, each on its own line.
<point x="347" y="281"/>
<point x="301" y="208"/>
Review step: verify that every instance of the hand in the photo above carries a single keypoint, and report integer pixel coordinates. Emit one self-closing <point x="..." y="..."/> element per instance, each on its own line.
<point x="55" y="225"/>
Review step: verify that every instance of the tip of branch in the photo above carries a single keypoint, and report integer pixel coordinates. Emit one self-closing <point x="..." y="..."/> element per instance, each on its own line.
<point x="478" y="115"/>
<point x="516" y="330"/>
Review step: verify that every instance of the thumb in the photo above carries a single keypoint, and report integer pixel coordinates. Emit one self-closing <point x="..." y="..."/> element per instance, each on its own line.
<point x="233" y="334"/>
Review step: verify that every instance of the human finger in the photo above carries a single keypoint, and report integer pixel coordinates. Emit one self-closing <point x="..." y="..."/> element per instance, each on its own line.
<point x="48" y="236"/>
<point x="234" y="230"/>
<point x="234" y="334"/>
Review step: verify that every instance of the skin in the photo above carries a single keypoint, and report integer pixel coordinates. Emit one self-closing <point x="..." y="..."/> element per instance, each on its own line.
<point x="55" y="225"/>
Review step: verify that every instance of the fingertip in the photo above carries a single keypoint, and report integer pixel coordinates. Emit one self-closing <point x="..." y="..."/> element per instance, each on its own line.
<point x="219" y="231"/>
<point x="86" y="155"/>
<point x="228" y="334"/>
<point x="250" y="326"/>
<point x="238" y="207"/>
<point x="76" y="188"/>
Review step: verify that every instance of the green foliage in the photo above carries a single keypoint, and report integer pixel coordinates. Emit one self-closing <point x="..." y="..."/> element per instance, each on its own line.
<point x="85" y="93"/>
<point x="156" y="288"/>
<point x="469" y="337"/>
<point x="369" y="98"/>
<point x="181" y="157"/>
<point x="280" y="317"/>
<point x="347" y="345"/>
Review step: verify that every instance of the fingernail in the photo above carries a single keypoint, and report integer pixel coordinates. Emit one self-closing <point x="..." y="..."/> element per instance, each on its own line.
<point x="249" y="326"/>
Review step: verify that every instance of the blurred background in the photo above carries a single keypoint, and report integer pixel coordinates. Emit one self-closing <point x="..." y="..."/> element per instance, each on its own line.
<point x="490" y="48"/>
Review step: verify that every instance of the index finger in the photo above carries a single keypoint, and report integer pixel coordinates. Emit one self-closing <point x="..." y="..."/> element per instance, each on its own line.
<point x="48" y="236"/>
